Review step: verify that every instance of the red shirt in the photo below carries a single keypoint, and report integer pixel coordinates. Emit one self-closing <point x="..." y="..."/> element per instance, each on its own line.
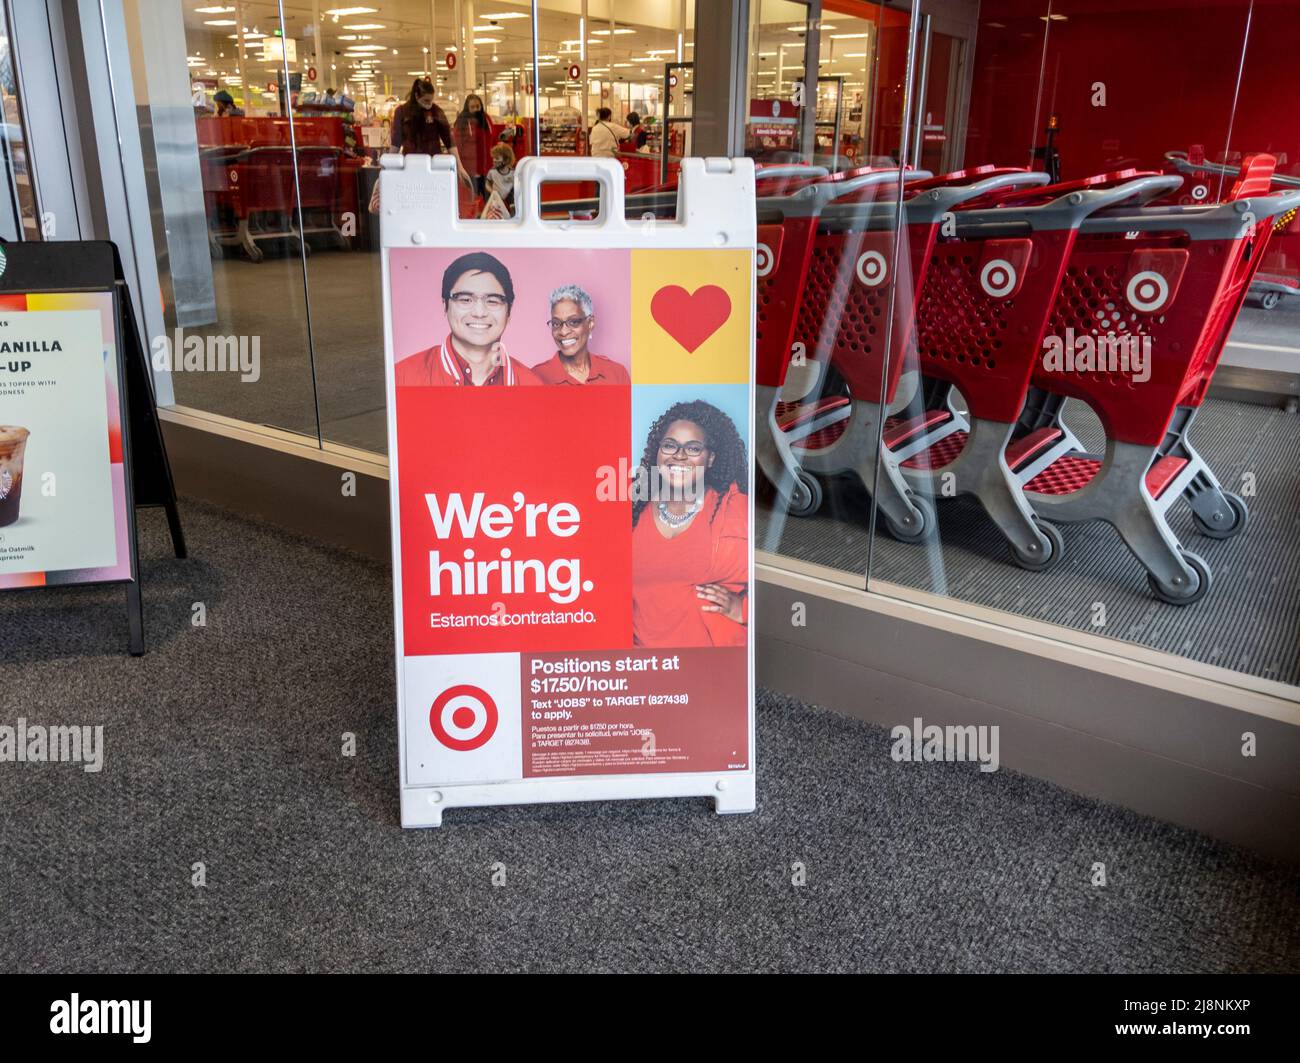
<point x="441" y="366"/>
<point x="603" y="371"/>
<point x="666" y="611"/>
<point x="474" y="142"/>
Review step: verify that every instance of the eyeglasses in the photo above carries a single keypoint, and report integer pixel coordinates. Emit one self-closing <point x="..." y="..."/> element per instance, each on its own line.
<point x="573" y="323"/>
<point x="465" y="300"/>
<point x="672" y="448"/>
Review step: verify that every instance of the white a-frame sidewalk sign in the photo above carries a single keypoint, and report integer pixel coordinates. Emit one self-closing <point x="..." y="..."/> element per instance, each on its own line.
<point x="570" y="429"/>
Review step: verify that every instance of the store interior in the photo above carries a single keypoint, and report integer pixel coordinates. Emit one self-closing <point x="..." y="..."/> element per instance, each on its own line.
<point x="262" y="227"/>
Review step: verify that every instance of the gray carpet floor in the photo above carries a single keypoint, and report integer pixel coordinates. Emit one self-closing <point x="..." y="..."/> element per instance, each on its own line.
<point x="222" y="746"/>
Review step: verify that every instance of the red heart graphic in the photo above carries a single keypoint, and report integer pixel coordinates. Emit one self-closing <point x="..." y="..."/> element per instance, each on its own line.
<point x="690" y="318"/>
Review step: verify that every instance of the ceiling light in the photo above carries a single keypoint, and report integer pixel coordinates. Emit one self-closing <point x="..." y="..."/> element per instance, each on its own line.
<point x="220" y="22"/>
<point x="505" y="14"/>
<point x="213" y="10"/>
<point x="344" y="12"/>
<point x="366" y="26"/>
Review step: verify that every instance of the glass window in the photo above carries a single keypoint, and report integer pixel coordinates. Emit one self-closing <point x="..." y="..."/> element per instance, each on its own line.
<point x="20" y="209"/>
<point x="222" y="182"/>
<point x="1063" y="387"/>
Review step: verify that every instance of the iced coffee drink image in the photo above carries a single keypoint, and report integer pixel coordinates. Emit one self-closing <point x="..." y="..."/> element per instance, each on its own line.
<point x="13" y="444"/>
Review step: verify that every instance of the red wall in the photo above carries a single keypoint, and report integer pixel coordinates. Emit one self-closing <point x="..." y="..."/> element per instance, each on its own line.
<point x="1170" y="68"/>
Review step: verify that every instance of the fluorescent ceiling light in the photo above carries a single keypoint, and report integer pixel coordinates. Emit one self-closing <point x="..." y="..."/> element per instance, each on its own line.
<point x="848" y="36"/>
<point x="343" y="12"/>
<point x="487" y="40"/>
<point x="367" y="26"/>
<point x="220" y="22"/>
<point x="213" y="10"/>
<point x="504" y="14"/>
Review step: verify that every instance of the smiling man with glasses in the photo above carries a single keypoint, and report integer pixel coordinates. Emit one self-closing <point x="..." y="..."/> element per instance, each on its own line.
<point x="572" y="321"/>
<point x="477" y="296"/>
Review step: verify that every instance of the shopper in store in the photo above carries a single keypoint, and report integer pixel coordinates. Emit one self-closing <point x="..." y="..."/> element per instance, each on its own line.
<point x="690" y="532"/>
<point x="637" y="134"/>
<point x="572" y="321"/>
<point x="473" y="133"/>
<point x="420" y="127"/>
<point x="226" y="105"/>
<point x="606" y="134"/>
<point x="477" y="296"/>
<point x="501" y="178"/>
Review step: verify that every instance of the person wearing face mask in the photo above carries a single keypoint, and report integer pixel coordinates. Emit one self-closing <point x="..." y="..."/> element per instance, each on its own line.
<point x="572" y="321"/>
<point x="420" y="127"/>
<point x="690" y="532"/>
<point x="477" y="296"/>
<point x="473" y="133"/>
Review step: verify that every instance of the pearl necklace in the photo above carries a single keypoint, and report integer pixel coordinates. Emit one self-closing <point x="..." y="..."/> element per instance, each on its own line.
<point x="674" y="521"/>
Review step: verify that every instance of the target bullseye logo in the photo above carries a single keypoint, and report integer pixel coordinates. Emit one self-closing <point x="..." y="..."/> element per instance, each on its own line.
<point x="872" y="268"/>
<point x="1199" y="192"/>
<point x="763" y="260"/>
<point x="1147" y="291"/>
<point x="463" y="717"/>
<point x="998" y="277"/>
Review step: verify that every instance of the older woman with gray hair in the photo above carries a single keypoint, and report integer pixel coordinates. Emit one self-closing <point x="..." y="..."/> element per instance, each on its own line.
<point x="573" y="319"/>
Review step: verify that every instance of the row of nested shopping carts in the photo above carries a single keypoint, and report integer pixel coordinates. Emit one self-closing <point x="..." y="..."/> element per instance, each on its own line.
<point x="907" y="289"/>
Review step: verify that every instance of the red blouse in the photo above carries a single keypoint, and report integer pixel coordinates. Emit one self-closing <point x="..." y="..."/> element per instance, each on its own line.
<point x="666" y="611"/>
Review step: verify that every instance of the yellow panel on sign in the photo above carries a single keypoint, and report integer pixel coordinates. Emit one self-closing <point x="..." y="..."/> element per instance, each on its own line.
<point x="691" y="316"/>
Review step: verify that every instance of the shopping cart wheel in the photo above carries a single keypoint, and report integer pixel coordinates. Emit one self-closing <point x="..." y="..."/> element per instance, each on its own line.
<point x="1269" y="300"/>
<point x="1055" y="549"/>
<point x="1240" y="512"/>
<point x="925" y="526"/>
<point x="806" y="498"/>
<point x="1196" y="593"/>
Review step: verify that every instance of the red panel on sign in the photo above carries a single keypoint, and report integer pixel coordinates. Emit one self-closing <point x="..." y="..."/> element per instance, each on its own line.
<point x="635" y="711"/>
<point x="505" y="543"/>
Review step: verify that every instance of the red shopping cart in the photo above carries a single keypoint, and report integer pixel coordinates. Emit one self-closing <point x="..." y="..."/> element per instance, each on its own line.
<point x="1148" y="299"/>
<point x="275" y="193"/>
<point x="787" y="234"/>
<point x="1269" y="285"/>
<point x="862" y="323"/>
<point x="986" y="298"/>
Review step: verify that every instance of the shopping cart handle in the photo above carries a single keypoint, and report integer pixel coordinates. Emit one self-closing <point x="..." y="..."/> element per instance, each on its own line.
<point x="1219" y="169"/>
<point x="949" y="196"/>
<point x="1271" y="205"/>
<point x="829" y="191"/>
<point x="789" y="170"/>
<point x="1141" y="190"/>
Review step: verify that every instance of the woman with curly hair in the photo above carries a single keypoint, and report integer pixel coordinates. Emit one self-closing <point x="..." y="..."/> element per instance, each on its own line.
<point x="690" y="532"/>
